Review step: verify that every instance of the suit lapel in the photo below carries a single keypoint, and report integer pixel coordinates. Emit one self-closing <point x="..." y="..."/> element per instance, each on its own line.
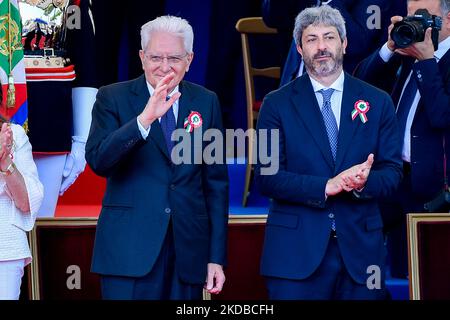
<point x="307" y="108"/>
<point x="139" y="100"/>
<point x="185" y="104"/>
<point x="347" y="127"/>
<point x="444" y="69"/>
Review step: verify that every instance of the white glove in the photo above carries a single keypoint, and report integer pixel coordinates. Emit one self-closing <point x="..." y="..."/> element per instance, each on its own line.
<point x="82" y="101"/>
<point x="75" y="163"/>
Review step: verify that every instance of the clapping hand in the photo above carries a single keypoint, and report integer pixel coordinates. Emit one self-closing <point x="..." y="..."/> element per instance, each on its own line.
<point x="354" y="178"/>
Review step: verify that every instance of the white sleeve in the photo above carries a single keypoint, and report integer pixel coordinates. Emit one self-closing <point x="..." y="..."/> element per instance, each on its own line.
<point x="23" y="159"/>
<point x="385" y="53"/>
<point x="144" y="132"/>
<point x="83" y="99"/>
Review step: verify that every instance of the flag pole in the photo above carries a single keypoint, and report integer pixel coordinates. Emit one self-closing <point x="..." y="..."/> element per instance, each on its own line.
<point x="11" y="94"/>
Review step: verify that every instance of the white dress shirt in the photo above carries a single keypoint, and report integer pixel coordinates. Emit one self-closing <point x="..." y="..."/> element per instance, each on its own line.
<point x="387" y="54"/>
<point x="145" y="132"/>
<point x="336" y="98"/>
<point x="14" y="223"/>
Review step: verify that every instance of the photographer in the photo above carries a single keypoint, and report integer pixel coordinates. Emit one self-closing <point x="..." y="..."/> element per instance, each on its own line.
<point x="417" y="77"/>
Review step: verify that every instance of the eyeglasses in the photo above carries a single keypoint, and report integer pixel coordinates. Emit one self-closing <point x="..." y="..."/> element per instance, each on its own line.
<point x="171" y="60"/>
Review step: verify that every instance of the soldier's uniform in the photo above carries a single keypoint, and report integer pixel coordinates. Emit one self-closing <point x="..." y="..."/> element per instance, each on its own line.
<point x="60" y="110"/>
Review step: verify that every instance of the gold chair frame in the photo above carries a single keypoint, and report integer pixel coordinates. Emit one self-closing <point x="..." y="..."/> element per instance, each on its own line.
<point x="414" y="261"/>
<point x="33" y="236"/>
<point x="246" y="27"/>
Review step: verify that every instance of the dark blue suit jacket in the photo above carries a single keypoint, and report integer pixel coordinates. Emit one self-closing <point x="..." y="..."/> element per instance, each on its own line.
<point x="298" y="226"/>
<point x="145" y="190"/>
<point x="432" y="118"/>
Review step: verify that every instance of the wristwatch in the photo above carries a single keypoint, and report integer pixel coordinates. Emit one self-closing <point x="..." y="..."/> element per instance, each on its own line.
<point x="11" y="168"/>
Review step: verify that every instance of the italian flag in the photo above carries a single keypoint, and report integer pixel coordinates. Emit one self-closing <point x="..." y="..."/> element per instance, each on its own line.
<point x="12" y="69"/>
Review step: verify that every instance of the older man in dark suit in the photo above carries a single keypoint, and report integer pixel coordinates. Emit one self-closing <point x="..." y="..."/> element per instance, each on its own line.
<point x="339" y="154"/>
<point x="162" y="230"/>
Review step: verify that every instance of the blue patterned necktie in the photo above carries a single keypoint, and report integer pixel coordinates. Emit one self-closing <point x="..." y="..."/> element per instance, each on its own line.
<point x="406" y="101"/>
<point x="332" y="132"/>
<point x="168" y="125"/>
<point x="330" y="120"/>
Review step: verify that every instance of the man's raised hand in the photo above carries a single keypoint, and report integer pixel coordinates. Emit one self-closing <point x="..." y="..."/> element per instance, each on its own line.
<point x="157" y="105"/>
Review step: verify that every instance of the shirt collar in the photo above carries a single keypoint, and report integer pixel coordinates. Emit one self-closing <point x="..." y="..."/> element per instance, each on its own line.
<point x="444" y="46"/>
<point x="151" y="89"/>
<point x="337" y="85"/>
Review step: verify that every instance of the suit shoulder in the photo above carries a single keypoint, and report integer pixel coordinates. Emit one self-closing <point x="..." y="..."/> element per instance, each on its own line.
<point x="119" y="87"/>
<point x="196" y="88"/>
<point x="282" y="92"/>
<point x="369" y="89"/>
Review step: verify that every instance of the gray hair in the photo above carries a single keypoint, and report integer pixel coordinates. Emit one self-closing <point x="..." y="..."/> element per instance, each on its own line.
<point x="323" y="15"/>
<point x="175" y="25"/>
<point x="445" y="7"/>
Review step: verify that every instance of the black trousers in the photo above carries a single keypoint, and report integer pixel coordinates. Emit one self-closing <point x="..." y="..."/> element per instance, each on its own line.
<point x="161" y="283"/>
<point x="331" y="281"/>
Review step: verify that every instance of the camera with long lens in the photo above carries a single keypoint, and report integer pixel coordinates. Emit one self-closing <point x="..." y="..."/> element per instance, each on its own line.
<point x="412" y="29"/>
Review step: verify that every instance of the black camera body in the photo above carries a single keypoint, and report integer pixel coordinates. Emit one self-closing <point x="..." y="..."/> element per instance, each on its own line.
<point x="412" y="29"/>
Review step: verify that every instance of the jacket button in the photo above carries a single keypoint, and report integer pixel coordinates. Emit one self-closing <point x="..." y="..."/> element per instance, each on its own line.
<point x="172" y="187"/>
<point x="331" y="216"/>
<point x="167" y="210"/>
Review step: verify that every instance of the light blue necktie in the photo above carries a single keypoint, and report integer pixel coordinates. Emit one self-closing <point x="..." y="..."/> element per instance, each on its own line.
<point x="330" y="120"/>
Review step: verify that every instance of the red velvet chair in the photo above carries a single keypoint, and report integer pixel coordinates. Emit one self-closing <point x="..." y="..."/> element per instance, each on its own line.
<point x="429" y="256"/>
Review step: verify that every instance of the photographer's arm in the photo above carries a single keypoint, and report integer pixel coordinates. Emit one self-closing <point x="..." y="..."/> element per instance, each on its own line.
<point x="434" y="86"/>
<point x="435" y="92"/>
<point x="380" y="68"/>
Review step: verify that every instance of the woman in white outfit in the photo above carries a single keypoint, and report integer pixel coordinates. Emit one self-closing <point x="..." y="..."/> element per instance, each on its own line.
<point x="21" y="194"/>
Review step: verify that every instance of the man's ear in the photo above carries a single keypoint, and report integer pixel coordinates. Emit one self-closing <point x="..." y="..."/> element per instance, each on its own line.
<point x="344" y="45"/>
<point x="299" y="49"/>
<point x="447" y="21"/>
<point x="189" y="58"/>
<point x="141" y="55"/>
